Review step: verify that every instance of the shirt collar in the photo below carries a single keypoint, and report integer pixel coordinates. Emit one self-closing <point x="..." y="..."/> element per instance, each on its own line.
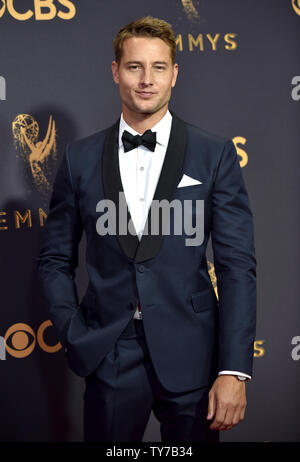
<point x="162" y="129"/>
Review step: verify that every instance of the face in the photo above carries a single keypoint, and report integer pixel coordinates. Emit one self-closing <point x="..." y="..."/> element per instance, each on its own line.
<point x="145" y="75"/>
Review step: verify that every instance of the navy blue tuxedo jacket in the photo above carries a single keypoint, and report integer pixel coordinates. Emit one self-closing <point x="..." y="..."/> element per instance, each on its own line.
<point x="190" y="333"/>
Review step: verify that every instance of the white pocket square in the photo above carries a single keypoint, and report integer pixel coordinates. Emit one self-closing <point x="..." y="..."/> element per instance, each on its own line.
<point x="188" y="181"/>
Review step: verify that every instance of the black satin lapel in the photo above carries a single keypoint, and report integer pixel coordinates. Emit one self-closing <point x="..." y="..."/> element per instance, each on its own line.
<point x="170" y="175"/>
<point x="112" y="185"/>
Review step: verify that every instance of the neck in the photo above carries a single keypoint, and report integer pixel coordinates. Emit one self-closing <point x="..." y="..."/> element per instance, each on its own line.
<point x="141" y="122"/>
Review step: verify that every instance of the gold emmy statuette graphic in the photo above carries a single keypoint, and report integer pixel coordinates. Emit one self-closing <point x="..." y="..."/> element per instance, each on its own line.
<point x="213" y="278"/>
<point x="190" y="10"/>
<point x="295" y="5"/>
<point x="36" y="153"/>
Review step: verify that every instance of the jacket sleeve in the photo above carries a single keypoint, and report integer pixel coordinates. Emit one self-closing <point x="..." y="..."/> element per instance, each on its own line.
<point x="58" y="256"/>
<point x="235" y="264"/>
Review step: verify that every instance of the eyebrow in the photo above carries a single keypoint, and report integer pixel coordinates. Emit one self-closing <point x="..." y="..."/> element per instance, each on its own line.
<point x="139" y="62"/>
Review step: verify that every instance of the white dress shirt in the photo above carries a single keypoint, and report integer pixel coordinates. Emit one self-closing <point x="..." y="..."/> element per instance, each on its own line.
<point x="140" y="170"/>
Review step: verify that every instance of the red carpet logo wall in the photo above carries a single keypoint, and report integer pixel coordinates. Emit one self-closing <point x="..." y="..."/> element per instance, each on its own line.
<point x="42" y="10"/>
<point x="38" y="154"/>
<point x="20" y="339"/>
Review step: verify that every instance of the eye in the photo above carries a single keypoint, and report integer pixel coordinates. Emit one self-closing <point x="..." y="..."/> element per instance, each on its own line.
<point x="133" y="67"/>
<point x="160" y="68"/>
<point x="22" y="341"/>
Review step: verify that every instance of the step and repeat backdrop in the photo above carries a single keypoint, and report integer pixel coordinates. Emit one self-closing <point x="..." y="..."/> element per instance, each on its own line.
<point x="239" y="77"/>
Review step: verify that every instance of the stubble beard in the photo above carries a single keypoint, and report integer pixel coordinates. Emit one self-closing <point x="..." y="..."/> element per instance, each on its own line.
<point x="151" y="110"/>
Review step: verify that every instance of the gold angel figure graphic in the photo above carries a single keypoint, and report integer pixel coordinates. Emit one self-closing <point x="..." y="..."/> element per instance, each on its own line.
<point x="190" y="10"/>
<point x="36" y="153"/>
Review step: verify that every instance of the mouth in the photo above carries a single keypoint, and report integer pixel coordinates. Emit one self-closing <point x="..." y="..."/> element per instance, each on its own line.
<point x="145" y="94"/>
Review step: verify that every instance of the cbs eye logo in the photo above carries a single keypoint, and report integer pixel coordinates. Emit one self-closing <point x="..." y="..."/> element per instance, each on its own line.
<point x="43" y="10"/>
<point x="20" y="340"/>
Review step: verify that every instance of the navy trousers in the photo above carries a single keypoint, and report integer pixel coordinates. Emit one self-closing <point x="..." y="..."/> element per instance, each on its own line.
<point x="121" y="393"/>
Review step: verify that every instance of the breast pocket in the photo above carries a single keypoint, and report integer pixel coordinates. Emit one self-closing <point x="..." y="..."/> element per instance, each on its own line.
<point x="194" y="219"/>
<point x="195" y="190"/>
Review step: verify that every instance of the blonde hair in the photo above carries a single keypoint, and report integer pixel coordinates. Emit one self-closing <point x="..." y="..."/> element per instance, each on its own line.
<point x="145" y="27"/>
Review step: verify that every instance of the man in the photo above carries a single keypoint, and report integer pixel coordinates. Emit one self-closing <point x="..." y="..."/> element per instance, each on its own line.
<point x="149" y="334"/>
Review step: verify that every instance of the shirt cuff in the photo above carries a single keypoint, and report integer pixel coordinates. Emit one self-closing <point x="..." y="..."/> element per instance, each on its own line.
<point x="235" y="373"/>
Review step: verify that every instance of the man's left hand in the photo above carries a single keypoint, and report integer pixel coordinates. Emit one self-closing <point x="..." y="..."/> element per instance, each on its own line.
<point x="227" y="402"/>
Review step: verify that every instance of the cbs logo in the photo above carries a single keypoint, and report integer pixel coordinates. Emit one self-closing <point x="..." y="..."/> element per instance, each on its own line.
<point x="43" y="10"/>
<point x="20" y="340"/>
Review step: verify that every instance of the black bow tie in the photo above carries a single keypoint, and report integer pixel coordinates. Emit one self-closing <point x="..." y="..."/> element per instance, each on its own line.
<point x="148" y="139"/>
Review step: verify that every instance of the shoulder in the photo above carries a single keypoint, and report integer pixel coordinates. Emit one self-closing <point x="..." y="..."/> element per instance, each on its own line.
<point x="88" y="149"/>
<point x="196" y="134"/>
<point x="204" y="136"/>
<point x="204" y="141"/>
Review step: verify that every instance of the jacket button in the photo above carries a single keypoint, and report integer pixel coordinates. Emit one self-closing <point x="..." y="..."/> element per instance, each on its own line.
<point x="142" y="268"/>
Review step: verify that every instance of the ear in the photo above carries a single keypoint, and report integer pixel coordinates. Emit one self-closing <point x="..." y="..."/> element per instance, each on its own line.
<point x="175" y="74"/>
<point x="115" y="71"/>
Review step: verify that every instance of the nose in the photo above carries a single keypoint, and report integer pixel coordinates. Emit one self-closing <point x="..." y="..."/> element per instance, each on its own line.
<point x="146" y="77"/>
